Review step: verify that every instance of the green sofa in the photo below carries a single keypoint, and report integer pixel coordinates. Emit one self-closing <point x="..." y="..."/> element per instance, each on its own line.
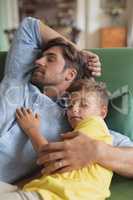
<point x="117" y="67"/>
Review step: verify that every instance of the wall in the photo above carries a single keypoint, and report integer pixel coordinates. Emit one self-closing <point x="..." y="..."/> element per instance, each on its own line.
<point x="130" y="23"/>
<point x="90" y="19"/>
<point x="81" y="23"/>
<point x="8" y="19"/>
<point x="95" y="19"/>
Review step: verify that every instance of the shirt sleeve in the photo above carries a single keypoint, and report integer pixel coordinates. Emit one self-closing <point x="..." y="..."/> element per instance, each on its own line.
<point x="120" y="140"/>
<point x="24" y="49"/>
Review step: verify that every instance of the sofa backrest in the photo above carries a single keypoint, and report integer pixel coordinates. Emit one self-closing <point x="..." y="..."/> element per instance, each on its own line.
<point x="117" y="68"/>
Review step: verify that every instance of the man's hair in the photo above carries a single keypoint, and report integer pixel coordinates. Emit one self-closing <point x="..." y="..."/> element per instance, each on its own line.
<point x="73" y="58"/>
<point x="90" y="85"/>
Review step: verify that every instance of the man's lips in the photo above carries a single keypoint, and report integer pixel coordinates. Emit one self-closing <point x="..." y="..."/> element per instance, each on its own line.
<point x="38" y="72"/>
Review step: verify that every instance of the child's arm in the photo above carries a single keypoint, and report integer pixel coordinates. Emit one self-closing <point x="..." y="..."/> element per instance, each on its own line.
<point x="30" y="124"/>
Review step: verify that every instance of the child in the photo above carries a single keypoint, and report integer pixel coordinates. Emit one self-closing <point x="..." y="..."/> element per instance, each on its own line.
<point x="86" y="112"/>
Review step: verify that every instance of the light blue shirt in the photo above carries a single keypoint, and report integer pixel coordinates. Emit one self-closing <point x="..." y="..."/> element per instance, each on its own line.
<point x="17" y="157"/>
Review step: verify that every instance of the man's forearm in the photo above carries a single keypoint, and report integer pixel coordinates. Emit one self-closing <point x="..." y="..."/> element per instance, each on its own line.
<point x="48" y="33"/>
<point x="119" y="160"/>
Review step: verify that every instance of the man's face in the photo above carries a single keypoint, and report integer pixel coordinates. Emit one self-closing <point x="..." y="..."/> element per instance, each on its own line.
<point x="83" y="105"/>
<point x="49" y="69"/>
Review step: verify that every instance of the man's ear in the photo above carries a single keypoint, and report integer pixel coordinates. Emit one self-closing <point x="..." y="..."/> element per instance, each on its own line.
<point x="71" y="74"/>
<point x="104" y="111"/>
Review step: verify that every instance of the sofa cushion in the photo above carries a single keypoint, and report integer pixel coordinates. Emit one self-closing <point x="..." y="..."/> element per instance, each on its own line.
<point x="117" y="68"/>
<point x="121" y="188"/>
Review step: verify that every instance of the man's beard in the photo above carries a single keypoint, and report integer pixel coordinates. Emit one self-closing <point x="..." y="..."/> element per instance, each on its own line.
<point x="38" y="84"/>
<point x="42" y="85"/>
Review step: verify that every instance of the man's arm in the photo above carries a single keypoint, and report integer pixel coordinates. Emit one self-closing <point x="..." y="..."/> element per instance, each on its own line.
<point x="24" y="49"/>
<point x="78" y="150"/>
<point x="31" y="35"/>
<point x="94" y="64"/>
<point x="118" y="159"/>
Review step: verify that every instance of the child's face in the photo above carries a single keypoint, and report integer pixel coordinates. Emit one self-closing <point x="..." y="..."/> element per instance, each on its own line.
<point x="82" y="106"/>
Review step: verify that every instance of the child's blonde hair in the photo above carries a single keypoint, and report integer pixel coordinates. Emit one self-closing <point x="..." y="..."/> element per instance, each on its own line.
<point x="90" y="85"/>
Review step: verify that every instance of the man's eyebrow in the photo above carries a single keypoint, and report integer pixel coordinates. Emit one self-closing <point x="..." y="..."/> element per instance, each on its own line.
<point x="49" y="54"/>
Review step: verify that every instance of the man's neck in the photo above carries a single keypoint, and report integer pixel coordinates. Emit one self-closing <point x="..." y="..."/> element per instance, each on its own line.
<point x="55" y="91"/>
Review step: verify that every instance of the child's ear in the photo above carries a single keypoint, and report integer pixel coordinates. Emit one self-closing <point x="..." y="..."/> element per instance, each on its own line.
<point x="104" y="111"/>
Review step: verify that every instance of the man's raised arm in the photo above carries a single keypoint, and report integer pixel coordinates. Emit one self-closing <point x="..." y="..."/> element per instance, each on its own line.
<point x="27" y="44"/>
<point x="94" y="64"/>
<point x="24" y="49"/>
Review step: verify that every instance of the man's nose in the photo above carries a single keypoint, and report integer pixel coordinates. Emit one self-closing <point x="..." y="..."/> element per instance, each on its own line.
<point x="40" y="62"/>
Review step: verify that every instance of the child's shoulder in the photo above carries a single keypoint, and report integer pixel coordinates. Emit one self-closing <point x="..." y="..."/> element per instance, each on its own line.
<point x="94" y="127"/>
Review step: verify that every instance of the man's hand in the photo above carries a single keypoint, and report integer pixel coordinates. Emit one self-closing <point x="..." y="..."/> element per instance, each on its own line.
<point x="76" y="151"/>
<point x="27" y="120"/>
<point x="94" y="64"/>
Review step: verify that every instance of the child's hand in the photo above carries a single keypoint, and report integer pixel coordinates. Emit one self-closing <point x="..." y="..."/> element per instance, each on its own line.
<point x="27" y="120"/>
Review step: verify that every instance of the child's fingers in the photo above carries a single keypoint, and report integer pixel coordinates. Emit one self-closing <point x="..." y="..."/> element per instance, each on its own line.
<point x="29" y="110"/>
<point x="69" y="135"/>
<point x="17" y="116"/>
<point x="24" y="111"/>
<point x="37" y="116"/>
<point x="19" y="113"/>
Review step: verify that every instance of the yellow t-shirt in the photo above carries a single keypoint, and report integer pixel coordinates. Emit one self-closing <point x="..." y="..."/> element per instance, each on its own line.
<point x="88" y="183"/>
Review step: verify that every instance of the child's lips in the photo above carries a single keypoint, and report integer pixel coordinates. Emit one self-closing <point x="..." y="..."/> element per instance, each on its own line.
<point x="76" y="118"/>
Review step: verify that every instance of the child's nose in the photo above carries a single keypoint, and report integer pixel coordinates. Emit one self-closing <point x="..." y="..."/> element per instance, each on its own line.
<point x="75" y="109"/>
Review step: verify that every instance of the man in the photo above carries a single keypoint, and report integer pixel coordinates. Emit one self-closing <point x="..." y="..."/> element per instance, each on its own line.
<point x="55" y="67"/>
